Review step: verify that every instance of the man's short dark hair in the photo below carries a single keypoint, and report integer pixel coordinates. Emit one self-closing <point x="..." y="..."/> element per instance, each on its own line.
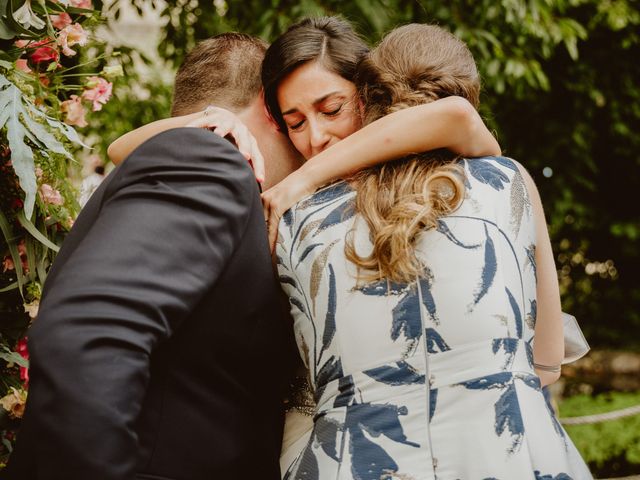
<point x="223" y="70"/>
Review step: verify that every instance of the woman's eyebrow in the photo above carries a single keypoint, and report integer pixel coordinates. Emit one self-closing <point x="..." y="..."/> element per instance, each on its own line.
<point x="315" y="102"/>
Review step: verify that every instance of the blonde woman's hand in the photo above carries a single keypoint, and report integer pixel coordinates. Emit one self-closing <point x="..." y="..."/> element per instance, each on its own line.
<point x="223" y="122"/>
<point x="282" y="196"/>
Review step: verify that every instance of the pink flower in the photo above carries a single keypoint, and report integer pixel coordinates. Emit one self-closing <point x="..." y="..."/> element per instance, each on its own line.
<point x="74" y="111"/>
<point x="50" y="195"/>
<point x="21" y="349"/>
<point x="8" y="264"/>
<point x="42" y="53"/>
<point x="72" y="35"/>
<point x="81" y="4"/>
<point x="21" y="43"/>
<point x="21" y="64"/>
<point x="98" y="92"/>
<point x="61" y="21"/>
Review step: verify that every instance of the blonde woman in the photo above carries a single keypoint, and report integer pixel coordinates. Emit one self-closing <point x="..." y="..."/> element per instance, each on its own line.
<point x="424" y="293"/>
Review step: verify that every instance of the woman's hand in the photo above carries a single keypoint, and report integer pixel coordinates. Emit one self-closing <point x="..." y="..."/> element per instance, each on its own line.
<point x="279" y="198"/>
<point x="223" y="122"/>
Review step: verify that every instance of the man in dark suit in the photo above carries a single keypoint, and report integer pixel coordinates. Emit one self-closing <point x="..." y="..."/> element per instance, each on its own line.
<point x="160" y="350"/>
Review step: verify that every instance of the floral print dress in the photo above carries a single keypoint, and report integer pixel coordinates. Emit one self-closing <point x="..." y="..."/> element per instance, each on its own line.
<point x="431" y="379"/>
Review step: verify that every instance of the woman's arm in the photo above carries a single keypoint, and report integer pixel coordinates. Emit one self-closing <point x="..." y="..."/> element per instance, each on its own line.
<point x="127" y="143"/>
<point x="220" y="121"/>
<point x="548" y="343"/>
<point x="451" y="123"/>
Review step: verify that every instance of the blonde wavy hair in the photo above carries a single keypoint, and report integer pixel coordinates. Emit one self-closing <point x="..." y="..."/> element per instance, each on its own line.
<point x="414" y="64"/>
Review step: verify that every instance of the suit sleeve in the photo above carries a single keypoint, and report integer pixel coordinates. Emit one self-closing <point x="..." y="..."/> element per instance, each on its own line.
<point x="166" y="229"/>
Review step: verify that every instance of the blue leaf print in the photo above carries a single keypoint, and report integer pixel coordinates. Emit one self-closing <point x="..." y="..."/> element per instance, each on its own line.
<point x="406" y="317"/>
<point x="560" y="476"/>
<point x="509" y="416"/>
<point x="435" y="343"/>
<point x="382" y="288"/>
<point x="368" y="460"/>
<point x="331" y="370"/>
<point x="280" y="262"/>
<point x="326" y="195"/>
<point x="341" y="213"/>
<point x="552" y="413"/>
<point x="506" y="162"/>
<point x="433" y="400"/>
<point x="307" y="251"/>
<point x="516" y="312"/>
<point x="497" y="380"/>
<point x="378" y="419"/>
<point x="444" y="229"/>
<point x="294" y="301"/>
<point x="489" y="268"/>
<point x="306" y="467"/>
<point x="330" y="319"/>
<point x="529" y="350"/>
<point x="532" y="315"/>
<point x="287" y="217"/>
<point x="427" y="297"/>
<point x="485" y="172"/>
<point x="531" y="258"/>
<point x="347" y="392"/>
<point x="401" y="373"/>
<point x="286" y="279"/>
<point x="326" y="432"/>
<point x="509" y="345"/>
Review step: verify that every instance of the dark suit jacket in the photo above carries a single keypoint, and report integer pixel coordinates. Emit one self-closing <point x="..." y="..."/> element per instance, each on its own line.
<point x="159" y="349"/>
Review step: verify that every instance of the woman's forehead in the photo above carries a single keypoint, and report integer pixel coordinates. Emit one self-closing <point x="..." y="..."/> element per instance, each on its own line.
<point x="310" y="84"/>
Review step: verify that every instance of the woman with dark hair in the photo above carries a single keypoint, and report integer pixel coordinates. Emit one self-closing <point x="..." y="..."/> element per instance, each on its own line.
<point x="424" y="292"/>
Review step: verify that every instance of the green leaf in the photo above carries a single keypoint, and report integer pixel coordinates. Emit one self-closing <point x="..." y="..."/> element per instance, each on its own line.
<point x="13" y="357"/>
<point x="35" y="233"/>
<point x="7" y="231"/>
<point x="9" y="287"/>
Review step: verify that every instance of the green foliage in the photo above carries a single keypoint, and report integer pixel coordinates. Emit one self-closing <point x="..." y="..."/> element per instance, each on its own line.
<point x="606" y="444"/>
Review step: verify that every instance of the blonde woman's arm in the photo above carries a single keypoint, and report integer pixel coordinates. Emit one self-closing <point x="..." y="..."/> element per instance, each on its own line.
<point x="451" y="123"/>
<point x="548" y="343"/>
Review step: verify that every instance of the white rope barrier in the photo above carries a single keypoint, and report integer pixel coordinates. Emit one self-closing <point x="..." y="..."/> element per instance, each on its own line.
<point x="602" y="417"/>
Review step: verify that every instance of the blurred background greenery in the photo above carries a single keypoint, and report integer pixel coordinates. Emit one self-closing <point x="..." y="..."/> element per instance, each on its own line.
<point x="561" y="91"/>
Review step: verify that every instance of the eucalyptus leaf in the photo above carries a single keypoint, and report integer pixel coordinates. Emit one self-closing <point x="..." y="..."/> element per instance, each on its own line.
<point x="31" y="228"/>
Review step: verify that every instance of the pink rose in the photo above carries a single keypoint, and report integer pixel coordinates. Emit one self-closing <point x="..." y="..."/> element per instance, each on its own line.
<point x="72" y="35"/>
<point x="98" y="92"/>
<point x="81" y="4"/>
<point x="74" y="111"/>
<point x="50" y="195"/>
<point x="61" y="21"/>
<point x="42" y="54"/>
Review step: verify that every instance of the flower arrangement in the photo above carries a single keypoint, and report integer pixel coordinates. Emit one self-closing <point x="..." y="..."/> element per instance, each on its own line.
<point x="45" y="91"/>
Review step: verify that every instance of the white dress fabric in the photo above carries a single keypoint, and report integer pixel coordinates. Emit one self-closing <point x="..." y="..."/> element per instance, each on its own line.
<point x="432" y="379"/>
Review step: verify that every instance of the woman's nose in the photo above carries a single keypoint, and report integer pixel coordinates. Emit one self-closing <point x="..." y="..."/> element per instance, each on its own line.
<point x="318" y="137"/>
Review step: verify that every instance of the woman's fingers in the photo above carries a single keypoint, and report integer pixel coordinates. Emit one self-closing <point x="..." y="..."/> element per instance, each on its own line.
<point x="225" y="124"/>
<point x="258" y="161"/>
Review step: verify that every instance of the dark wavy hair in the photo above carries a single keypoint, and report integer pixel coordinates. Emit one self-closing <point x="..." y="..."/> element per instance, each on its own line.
<point x="331" y="41"/>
